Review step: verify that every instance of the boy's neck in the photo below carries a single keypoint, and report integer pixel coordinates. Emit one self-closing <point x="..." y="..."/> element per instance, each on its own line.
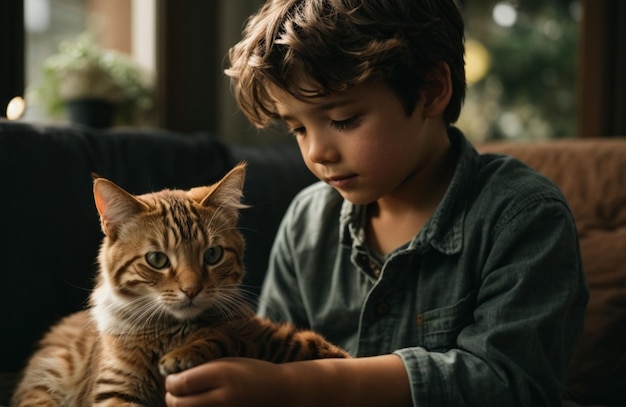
<point x="394" y="220"/>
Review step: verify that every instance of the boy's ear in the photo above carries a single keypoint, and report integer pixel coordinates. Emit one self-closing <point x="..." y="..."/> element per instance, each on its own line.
<point x="437" y="91"/>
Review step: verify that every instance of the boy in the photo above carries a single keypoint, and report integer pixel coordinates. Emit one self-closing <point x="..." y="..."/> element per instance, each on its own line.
<point x="455" y="279"/>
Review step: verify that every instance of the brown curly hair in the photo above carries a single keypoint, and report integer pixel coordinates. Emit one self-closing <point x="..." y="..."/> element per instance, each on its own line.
<point x="337" y="44"/>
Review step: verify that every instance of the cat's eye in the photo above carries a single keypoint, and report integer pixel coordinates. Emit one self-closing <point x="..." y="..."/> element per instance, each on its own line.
<point x="213" y="255"/>
<point x="158" y="260"/>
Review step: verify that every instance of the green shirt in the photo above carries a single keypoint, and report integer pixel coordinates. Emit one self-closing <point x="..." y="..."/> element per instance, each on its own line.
<point x="483" y="305"/>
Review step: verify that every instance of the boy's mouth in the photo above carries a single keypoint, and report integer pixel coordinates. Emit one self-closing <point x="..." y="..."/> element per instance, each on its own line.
<point x="341" y="181"/>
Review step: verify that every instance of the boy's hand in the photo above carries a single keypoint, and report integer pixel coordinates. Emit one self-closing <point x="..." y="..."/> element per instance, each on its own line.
<point x="227" y="382"/>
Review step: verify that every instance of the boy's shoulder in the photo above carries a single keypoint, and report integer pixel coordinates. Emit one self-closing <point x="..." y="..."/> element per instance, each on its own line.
<point x="497" y="178"/>
<point x="507" y="174"/>
<point x="506" y="187"/>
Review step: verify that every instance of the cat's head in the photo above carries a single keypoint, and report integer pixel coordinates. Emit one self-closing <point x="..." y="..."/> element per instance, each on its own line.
<point x="171" y="252"/>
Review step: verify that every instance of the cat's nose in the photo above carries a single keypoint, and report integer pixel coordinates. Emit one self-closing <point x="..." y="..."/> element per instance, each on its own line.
<point x="190" y="292"/>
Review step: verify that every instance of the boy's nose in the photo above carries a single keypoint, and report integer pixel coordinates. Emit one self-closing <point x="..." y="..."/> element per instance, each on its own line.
<point x="321" y="149"/>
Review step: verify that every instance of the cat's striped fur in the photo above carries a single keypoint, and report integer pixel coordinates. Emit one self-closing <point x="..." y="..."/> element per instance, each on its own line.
<point x="166" y="299"/>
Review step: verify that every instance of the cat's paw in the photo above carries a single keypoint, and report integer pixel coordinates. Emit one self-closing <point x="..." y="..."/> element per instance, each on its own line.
<point x="177" y="361"/>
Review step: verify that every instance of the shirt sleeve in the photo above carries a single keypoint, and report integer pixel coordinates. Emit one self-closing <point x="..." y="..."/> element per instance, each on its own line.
<point x="529" y="310"/>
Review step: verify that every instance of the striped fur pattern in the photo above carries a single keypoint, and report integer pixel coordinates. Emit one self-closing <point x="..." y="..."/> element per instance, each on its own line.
<point x="166" y="299"/>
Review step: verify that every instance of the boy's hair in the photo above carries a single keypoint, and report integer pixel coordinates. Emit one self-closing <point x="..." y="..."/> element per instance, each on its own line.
<point x="336" y="44"/>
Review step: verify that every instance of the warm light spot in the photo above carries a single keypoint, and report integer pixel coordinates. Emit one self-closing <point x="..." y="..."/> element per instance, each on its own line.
<point x="16" y="108"/>
<point x="477" y="61"/>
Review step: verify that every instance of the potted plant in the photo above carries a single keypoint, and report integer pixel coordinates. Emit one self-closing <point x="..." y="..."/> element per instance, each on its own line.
<point x="93" y="86"/>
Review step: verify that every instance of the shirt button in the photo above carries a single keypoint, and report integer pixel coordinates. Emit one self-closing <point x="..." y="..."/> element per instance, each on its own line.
<point x="382" y="309"/>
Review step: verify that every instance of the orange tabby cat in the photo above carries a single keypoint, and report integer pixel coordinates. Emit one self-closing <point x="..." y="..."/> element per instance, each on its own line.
<point x="166" y="299"/>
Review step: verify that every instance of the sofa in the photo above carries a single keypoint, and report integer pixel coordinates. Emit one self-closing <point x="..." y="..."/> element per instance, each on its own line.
<point x="50" y="230"/>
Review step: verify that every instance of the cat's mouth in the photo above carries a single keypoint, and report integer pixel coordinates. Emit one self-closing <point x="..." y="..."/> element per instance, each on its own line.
<point x="187" y="309"/>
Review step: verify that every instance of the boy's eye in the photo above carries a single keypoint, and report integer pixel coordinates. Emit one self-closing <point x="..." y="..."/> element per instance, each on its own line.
<point x="347" y="124"/>
<point x="298" y="131"/>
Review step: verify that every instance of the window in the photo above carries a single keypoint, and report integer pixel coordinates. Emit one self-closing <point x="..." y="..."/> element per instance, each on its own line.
<point x="46" y="24"/>
<point x="521" y="69"/>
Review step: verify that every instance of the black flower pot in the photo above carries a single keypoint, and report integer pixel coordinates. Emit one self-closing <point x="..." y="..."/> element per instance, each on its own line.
<point x="94" y="113"/>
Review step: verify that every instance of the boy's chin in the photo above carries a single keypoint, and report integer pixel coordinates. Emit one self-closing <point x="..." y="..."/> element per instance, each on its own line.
<point x="356" y="198"/>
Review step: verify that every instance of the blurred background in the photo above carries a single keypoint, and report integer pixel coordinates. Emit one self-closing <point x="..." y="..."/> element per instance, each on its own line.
<point x="536" y="69"/>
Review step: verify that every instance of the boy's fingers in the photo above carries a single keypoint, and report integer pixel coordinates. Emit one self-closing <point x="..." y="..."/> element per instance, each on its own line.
<point x="202" y="399"/>
<point x="191" y="381"/>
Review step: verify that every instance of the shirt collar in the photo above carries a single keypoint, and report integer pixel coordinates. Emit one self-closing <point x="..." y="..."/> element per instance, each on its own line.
<point x="444" y="230"/>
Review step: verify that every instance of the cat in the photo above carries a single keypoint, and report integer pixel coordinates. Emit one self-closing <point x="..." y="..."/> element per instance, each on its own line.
<point x="166" y="299"/>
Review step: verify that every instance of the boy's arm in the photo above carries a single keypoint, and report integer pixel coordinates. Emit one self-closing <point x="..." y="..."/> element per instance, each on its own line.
<point x="373" y="381"/>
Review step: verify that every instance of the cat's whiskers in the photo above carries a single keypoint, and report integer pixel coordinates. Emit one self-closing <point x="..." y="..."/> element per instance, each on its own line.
<point x="158" y="318"/>
<point x="228" y="304"/>
<point x="146" y="314"/>
<point x="249" y="295"/>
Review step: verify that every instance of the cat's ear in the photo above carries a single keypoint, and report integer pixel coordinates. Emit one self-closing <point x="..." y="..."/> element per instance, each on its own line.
<point x="114" y="205"/>
<point x="226" y="193"/>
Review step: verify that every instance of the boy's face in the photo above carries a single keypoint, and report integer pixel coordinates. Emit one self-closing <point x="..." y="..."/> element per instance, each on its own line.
<point x="361" y="141"/>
